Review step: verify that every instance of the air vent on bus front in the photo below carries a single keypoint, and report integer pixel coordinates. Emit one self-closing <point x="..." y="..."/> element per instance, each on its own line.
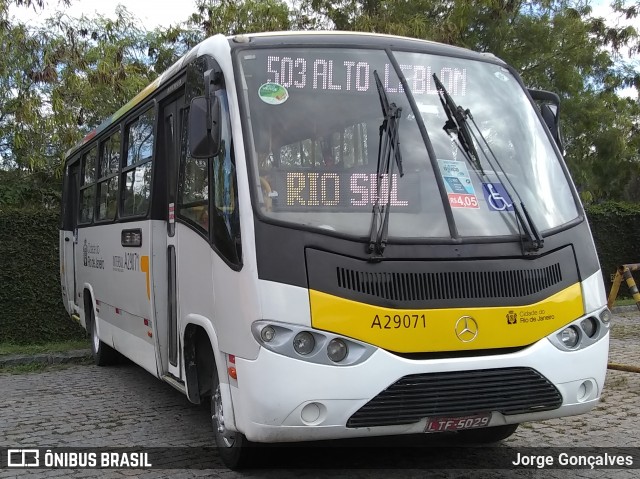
<point x="515" y="390"/>
<point x="398" y="286"/>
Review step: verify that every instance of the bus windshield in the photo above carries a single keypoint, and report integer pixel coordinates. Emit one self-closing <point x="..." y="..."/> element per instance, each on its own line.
<point x="315" y="119"/>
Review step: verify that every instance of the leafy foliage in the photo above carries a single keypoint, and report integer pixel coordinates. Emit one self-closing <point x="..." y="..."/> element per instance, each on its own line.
<point x="31" y="309"/>
<point x="616" y="228"/>
<point x="555" y="45"/>
<point x="29" y="190"/>
<point x="234" y="17"/>
<point x="78" y="72"/>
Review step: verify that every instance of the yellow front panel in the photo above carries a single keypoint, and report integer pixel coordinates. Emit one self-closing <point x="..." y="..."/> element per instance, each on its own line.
<point x="431" y="330"/>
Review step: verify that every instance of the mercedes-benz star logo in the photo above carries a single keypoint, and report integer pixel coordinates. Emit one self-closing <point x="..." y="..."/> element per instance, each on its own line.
<point x="466" y="329"/>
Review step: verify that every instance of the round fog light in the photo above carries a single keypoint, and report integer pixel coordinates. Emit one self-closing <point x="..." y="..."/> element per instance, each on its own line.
<point x="304" y="343"/>
<point x="569" y="336"/>
<point x="310" y="413"/>
<point x="337" y="350"/>
<point x="268" y="333"/>
<point x="589" y="326"/>
<point x="585" y="391"/>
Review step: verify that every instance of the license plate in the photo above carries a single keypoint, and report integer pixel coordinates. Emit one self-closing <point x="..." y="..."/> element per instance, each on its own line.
<point x="442" y="424"/>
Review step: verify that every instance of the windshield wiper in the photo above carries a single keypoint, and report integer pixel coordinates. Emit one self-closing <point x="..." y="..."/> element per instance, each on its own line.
<point x="457" y="123"/>
<point x="388" y="150"/>
<point x="457" y="118"/>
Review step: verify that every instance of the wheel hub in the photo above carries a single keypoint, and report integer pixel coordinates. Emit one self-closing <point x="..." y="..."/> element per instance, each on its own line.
<point x="94" y="336"/>
<point x="227" y="437"/>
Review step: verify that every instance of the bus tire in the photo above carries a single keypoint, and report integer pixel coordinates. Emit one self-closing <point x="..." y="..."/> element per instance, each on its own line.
<point x="487" y="435"/>
<point x="103" y="354"/>
<point x="235" y="450"/>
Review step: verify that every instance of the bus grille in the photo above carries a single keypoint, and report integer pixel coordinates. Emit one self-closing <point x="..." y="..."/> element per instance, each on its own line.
<point x="418" y="286"/>
<point x="459" y="393"/>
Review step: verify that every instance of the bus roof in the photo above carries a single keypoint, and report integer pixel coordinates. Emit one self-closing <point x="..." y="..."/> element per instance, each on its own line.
<point x="321" y="37"/>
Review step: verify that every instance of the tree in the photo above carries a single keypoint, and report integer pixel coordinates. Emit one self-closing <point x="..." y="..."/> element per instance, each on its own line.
<point x="64" y="79"/>
<point x="555" y="45"/>
<point x="232" y="17"/>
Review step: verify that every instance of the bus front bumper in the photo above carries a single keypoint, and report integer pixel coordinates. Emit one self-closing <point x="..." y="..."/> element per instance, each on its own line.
<point x="280" y="399"/>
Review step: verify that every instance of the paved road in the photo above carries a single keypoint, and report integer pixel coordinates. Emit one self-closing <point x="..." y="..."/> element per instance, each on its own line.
<point x="87" y="406"/>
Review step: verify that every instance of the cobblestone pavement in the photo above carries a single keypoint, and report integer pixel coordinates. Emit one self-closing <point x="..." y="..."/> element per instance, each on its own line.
<point x="88" y="406"/>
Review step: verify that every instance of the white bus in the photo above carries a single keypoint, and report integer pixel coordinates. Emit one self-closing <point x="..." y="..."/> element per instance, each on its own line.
<point x="338" y="235"/>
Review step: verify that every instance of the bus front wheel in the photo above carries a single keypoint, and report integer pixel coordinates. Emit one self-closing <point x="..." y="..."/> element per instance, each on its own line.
<point x="486" y="435"/>
<point x="103" y="354"/>
<point x="234" y="449"/>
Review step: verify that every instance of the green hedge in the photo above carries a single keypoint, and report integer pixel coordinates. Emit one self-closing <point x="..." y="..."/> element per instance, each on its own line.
<point x="616" y="232"/>
<point x="31" y="309"/>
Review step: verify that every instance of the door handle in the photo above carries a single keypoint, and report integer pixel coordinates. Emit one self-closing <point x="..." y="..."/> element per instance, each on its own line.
<point x="67" y="239"/>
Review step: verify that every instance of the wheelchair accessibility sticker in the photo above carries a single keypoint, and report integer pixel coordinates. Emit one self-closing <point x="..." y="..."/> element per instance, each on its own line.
<point x="497" y="197"/>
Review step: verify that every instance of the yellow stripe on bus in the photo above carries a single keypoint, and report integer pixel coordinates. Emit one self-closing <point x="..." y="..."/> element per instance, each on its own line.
<point x="144" y="267"/>
<point x="453" y="329"/>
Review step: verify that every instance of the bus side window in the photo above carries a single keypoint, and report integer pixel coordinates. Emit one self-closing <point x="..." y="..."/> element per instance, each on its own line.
<point x="109" y="167"/>
<point x="136" y="168"/>
<point x="226" y="214"/>
<point x="88" y="187"/>
<point x="193" y="193"/>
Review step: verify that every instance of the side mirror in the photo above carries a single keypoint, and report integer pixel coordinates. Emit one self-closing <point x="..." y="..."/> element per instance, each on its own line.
<point x="204" y="127"/>
<point x="549" y="104"/>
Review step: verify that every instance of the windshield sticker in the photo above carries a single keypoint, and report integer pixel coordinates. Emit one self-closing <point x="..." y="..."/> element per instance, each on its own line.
<point x="458" y="183"/>
<point x="273" y="93"/>
<point x="497" y="197"/>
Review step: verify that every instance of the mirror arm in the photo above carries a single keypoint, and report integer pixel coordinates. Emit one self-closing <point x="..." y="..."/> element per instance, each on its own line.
<point x="208" y="81"/>
<point x="543" y="95"/>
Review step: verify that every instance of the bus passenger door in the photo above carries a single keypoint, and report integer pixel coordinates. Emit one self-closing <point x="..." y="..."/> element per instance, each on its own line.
<point x="187" y="252"/>
<point x="69" y="238"/>
<point x="165" y="243"/>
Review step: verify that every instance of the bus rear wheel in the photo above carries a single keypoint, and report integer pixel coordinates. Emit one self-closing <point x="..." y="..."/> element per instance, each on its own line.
<point x="234" y="449"/>
<point x="486" y="435"/>
<point x="103" y="354"/>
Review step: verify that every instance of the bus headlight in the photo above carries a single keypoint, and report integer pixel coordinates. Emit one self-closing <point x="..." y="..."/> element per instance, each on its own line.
<point x="570" y="336"/>
<point x="583" y="332"/>
<point x="337" y="350"/>
<point x="589" y="326"/>
<point x="304" y="343"/>
<point x="311" y="345"/>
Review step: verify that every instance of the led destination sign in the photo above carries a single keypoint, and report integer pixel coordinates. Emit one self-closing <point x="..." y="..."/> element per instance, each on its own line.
<point x="341" y="191"/>
<point x="356" y="76"/>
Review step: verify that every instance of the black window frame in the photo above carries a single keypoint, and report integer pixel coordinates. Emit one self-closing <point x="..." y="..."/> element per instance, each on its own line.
<point x="230" y="252"/>
<point x="69" y="221"/>
<point x="126" y="169"/>
<point x="84" y="186"/>
<point x="194" y="86"/>
<point x="185" y="155"/>
<point x="102" y="178"/>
